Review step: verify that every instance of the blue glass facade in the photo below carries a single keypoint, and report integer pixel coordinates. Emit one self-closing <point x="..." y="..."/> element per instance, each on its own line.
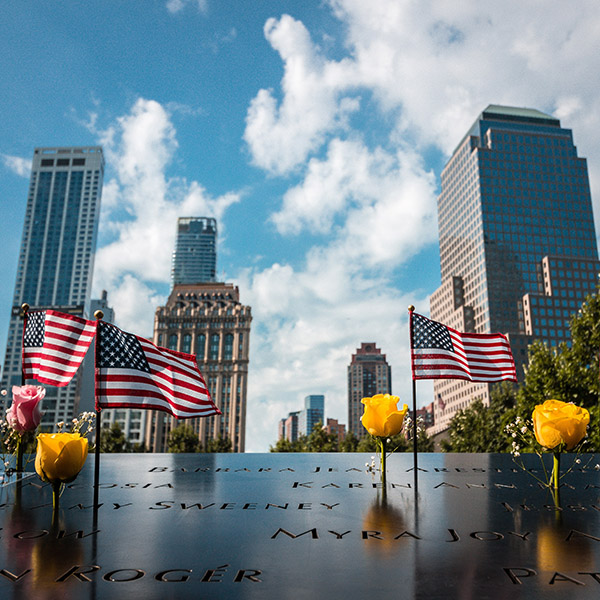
<point x="515" y="204"/>
<point x="313" y="413"/>
<point x="195" y="255"/>
<point x="57" y="252"/>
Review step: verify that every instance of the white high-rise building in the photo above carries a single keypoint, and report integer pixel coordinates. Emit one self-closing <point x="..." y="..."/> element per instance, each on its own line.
<point x="56" y="259"/>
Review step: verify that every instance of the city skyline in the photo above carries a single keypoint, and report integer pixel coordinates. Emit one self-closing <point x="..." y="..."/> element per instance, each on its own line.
<point x="314" y="132"/>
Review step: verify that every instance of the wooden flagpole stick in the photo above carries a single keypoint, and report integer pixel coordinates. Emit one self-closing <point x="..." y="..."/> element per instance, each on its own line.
<point x="99" y="315"/>
<point x="411" y="309"/>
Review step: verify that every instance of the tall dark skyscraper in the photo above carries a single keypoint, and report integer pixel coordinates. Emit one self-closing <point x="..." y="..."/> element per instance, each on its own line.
<point x="56" y="260"/>
<point x="518" y="248"/>
<point x="368" y="374"/>
<point x="195" y="254"/>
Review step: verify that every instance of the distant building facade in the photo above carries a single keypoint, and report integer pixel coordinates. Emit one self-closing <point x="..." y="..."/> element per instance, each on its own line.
<point x="368" y="374"/>
<point x="208" y="320"/>
<point x="195" y="255"/>
<point x="518" y="248"/>
<point x="338" y="429"/>
<point x="56" y="259"/>
<point x="288" y="427"/>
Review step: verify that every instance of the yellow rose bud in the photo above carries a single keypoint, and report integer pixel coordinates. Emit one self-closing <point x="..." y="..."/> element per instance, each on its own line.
<point x="60" y="456"/>
<point x="556" y="422"/>
<point x="382" y="417"/>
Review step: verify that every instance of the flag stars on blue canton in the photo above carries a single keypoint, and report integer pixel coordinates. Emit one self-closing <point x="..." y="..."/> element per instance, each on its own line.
<point x="120" y="350"/>
<point x="430" y="334"/>
<point x="35" y="329"/>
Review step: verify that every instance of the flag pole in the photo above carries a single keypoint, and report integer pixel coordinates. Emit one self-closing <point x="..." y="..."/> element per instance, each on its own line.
<point x="99" y="315"/>
<point x="24" y="311"/>
<point x="20" y="448"/>
<point x="411" y="309"/>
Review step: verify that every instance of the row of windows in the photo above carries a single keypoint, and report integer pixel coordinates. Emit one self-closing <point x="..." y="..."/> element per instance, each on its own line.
<point x="202" y="350"/>
<point x="63" y="162"/>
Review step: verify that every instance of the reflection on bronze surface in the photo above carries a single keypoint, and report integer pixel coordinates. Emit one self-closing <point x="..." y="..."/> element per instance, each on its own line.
<point x="385" y="522"/>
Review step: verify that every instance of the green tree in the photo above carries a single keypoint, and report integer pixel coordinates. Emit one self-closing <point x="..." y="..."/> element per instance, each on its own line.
<point x="113" y="439"/>
<point x="480" y="428"/>
<point x="182" y="439"/>
<point x="349" y="443"/>
<point x="424" y="442"/>
<point x="321" y="441"/>
<point x="219" y="444"/>
<point x="397" y="443"/>
<point x="284" y="445"/>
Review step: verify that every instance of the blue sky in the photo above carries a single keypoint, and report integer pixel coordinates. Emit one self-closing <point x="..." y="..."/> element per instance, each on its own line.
<point x="314" y="131"/>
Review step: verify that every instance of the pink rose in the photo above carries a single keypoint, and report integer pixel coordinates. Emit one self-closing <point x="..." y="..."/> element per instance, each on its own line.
<point x="25" y="412"/>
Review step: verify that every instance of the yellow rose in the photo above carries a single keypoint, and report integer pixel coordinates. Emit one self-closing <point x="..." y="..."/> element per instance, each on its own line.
<point x="556" y="422"/>
<point x="382" y="417"/>
<point x="60" y="456"/>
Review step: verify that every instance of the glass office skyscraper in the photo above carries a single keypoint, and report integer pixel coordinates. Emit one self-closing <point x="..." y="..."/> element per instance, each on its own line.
<point x="56" y="259"/>
<point x="313" y="413"/>
<point x="518" y="248"/>
<point x="195" y="254"/>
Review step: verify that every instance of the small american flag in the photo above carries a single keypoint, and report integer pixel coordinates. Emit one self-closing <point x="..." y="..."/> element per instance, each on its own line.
<point x="132" y="372"/>
<point x="440" y="352"/>
<point x="54" y="345"/>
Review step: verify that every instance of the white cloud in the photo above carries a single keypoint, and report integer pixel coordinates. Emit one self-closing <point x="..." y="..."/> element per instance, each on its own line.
<point x="281" y="135"/>
<point x="175" y="6"/>
<point x="16" y="164"/>
<point x="385" y="203"/>
<point x="139" y="215"/>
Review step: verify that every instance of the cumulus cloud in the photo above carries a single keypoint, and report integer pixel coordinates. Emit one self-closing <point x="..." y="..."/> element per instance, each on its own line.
<point x="16" y="164"/>
<point x="140" y="208"/>
<point x="385" y="201"/>
<point x="280" y="135"/>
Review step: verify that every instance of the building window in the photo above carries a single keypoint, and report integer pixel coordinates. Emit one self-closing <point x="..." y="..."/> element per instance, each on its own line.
<point x="173" y="341"/>
<point x="228" y="350"/>
<point x="213" y="351"/>
<point x="201" y="346"/>
<point x="187" y="343"/>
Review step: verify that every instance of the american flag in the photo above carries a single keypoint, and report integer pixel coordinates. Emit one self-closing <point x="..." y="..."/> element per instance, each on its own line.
<point x="440" y="352"/>
<point x="132" y="372"/>
<point x="54" y="345"/>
